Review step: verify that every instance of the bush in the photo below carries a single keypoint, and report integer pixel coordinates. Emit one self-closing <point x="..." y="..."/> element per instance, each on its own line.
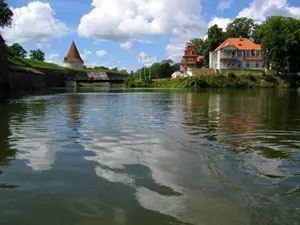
<point x="231" y="76"/>
<point x="251" y="78"/>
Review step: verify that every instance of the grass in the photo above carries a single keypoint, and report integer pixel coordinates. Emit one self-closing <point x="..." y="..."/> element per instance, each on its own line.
<point x="30" y="65"/>
<point x="33" y="66"/>
<point x="243" y="72"/>
<point x="217" y="81"/>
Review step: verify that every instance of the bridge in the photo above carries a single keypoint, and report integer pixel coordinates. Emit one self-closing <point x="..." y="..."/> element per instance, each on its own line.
<point x="72" y="79"/>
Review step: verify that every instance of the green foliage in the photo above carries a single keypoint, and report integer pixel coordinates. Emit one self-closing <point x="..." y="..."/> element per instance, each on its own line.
<point x="134" y="82"/>
<point x="215" y="36"/>
<point x="231" y="76"/>
<point x="240" y="27"/>
<point x="100" y="68"/>
<point x="17" y="50"/>
<point x="280" y="39"/>
<point x="162" y="69"/>
<point x="200" y="45"/>
<point x="29" y="64"/>
<point x="217" y="81"/>
<point x="5" y="14"/>
<point x="37" y="55"/>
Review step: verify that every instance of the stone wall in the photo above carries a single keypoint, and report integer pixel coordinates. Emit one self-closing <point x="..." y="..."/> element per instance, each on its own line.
<point x="22" y="81"/>
<point x="4" y="65"/>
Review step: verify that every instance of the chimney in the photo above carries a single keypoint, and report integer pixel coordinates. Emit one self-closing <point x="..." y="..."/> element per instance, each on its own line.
<point x="241" y="39"/>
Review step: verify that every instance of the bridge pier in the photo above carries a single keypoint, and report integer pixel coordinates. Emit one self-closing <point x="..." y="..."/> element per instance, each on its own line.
<point x="71" y="84"/>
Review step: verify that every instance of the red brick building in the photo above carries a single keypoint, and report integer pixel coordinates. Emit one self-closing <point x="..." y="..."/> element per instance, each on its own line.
<point x="191" y="59"/>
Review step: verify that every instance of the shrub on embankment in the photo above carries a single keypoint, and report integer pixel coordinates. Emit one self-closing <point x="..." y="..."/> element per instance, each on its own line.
<point x="218" y="81"/>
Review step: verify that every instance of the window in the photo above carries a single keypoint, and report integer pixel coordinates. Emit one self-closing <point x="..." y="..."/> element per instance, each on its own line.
<point x="240" y="65"/>
<point x="247" y="65"/>
<point x="228" y="65"/>
<point x="257" y="53"/>
<point x="239" y="53"/>
<point x="257" y="64"/>
<point x="232" y="65"/>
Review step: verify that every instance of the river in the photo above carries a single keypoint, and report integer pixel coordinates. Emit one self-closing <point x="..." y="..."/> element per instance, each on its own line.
<point x="211" y="157"/>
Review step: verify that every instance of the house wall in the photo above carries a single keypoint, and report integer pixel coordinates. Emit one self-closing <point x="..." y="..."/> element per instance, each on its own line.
<point x="213" y="61"/>
<point x="73" y="65"/>
<point x="222" y="60"/>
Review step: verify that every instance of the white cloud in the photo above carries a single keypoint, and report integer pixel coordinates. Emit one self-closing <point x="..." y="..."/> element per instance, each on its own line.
<point x="144" y="41"/>
<point x="221" y="22"/>
<point x="259" y="10"/>
<point x="34" y="22"/>
<point x="133" y="19"/>
<point x="224" y="4"/>
<point x="53" y="58"/>
<point x="145" y="59"/>
<point x="101" y="53"/>
<point x="85" y="54"/>
<point x="126" y="45"/>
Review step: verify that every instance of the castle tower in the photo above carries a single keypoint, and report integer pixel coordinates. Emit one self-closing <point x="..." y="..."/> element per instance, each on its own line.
<point x="73" y="59"/>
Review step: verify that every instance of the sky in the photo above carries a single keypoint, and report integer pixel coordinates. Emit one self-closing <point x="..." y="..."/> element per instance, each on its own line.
<point x="128" y="33"/>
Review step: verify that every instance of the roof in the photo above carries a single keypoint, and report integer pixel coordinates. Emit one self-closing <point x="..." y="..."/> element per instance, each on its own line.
<point x="240" y="44"/>
<point x="73" y="54"/>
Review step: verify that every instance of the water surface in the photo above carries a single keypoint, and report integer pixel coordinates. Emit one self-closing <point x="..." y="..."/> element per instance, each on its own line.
<point x="210" y="157"/>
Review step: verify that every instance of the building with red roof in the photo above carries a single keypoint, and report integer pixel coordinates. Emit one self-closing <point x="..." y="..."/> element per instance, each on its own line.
<point x="191" y="59"/>
<point x="237" y="53"/>
<point x="73" y="58"/>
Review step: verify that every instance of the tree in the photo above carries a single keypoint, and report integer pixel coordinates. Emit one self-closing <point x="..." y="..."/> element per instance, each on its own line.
<point x="255" y="37"/>
<point x="199" y="44"/>
<point x="280" y="39"/>
<point x="215" y="36"/>
<point x="240" y="27"/>
<point x="17" y="50"/>
<point x="162" y="69"/>
<point x="5" y="14"/>
<point x="37" y="55"/>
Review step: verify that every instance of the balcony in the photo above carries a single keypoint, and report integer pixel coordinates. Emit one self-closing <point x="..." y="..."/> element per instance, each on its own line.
<point x="230" y="56"/>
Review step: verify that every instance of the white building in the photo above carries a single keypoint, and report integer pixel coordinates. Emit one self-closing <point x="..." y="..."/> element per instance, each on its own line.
<point x="73" y="59"/>
<point x="237" y="53"/>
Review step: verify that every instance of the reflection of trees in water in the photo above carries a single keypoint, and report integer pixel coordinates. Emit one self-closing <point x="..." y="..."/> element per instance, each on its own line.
<point x="8" y="112"/>
<point x="280" y="108"/>
<point x="195" y="108"/>
<point x="38" y="108"/>
<point x="73" y="103"/>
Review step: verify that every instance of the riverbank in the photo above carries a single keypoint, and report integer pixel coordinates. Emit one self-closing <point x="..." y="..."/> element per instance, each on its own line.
<point x="218" y="81"/>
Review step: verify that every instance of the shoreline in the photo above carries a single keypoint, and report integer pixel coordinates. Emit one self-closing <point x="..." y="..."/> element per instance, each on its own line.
<point x="218" y="81"/>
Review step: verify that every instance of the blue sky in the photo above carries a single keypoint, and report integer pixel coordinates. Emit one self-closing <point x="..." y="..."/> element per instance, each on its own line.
<point x="159" y="28"/>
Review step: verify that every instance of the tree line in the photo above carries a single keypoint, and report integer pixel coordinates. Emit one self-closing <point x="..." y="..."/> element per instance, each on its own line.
<point x="278" y="35"/>
<point x="17" y="50"/>
<point x="163" y="69"/>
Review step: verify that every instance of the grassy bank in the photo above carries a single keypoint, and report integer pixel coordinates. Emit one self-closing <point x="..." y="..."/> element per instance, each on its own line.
<point x="218" y="81"/>
<point x="29" y="65"/>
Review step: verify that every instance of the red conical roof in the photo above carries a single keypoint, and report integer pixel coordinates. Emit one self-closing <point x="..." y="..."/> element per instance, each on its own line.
<point x="73" y="54"/>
